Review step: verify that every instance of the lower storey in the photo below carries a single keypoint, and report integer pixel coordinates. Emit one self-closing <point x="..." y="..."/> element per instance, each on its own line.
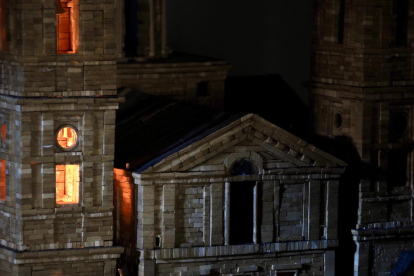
<point x="229" y="260"/>
<point x="377" y="255"/>
<point x="71" y="262"/>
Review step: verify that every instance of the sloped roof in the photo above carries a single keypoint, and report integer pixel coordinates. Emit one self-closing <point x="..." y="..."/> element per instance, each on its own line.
<point x="278" y="141"/>
<point x="150" y="128"/>
<point x="155" y="134"/>
<point x="404" y="264"/>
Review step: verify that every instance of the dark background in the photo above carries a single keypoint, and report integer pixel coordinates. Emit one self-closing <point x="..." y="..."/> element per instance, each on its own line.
<point x="258" y="37"/>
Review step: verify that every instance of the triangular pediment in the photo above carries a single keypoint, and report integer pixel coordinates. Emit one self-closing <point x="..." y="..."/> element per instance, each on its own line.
<point x="251" y="133"/>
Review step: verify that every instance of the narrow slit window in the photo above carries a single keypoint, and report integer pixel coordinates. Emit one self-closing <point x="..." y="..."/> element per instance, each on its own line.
<point x="3" y="180"/>
<point x="3" y="34"/>
<point x="401" y="22"/>
<point x="341" y="22"/>
<point x="67" y="26"/>
<point x="67" y="184"/>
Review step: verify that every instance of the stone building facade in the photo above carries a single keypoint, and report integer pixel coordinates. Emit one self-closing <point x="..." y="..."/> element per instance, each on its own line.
<point x="362" y="88"/>
<point x="244" y="198"/>
<point x="57" y="146"/>
<point x="147" y="64"/>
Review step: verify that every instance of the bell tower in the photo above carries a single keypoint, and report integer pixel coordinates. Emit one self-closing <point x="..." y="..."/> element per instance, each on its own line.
<point x="58" y="101"/>
<point x="362" y="87"/>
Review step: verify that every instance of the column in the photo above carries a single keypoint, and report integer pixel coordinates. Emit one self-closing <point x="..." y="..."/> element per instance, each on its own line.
<point x="314" y="210"/>
<point x="331" y="231"/>
<point x="152" y="29"/>
<point x="164" y="27"/>
<point x="168" y="216"/>
<point x="145" y="225"/>
<point x="216" y="214"/>
<point x="227" y="213"/>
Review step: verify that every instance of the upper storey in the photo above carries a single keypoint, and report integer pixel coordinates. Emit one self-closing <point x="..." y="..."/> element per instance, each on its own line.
<point x="142" y="26"/>
<point x="353" y="39"/>
<point x="57" y="48"/>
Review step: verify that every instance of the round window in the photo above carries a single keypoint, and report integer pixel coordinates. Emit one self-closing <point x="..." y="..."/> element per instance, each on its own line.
<point x="67" y="137"/>
<point x="338" y="120"/>
<point x="399" y="124"/>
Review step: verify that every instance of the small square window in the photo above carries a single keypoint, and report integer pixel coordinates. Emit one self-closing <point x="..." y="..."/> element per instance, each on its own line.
<point x="67" y="184"/>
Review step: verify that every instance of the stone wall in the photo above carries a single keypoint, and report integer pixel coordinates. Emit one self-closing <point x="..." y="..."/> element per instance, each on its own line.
<point x="95" y="262"/>
<point x="359" y="85"/>
<point x="186" y="78"/>
<point x="31" y="66"/>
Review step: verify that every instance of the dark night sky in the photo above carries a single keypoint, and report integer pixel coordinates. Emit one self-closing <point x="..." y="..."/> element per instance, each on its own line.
<point x="257" y="37"/>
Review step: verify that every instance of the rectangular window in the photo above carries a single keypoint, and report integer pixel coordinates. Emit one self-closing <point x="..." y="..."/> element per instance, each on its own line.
<point x="397" y="171"/>
<point x="3" y="180"/>
<point x="3" y="34"/>
<point x="341" y="22"/>
<point x="67" y="26"/>
<point x="241" y="212"/>
<point x="401" y="22"/>
<point x="67" y="184"/>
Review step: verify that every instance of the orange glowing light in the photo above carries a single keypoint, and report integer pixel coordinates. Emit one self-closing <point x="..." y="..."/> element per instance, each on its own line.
<point x="3" y="132"/>
<point x="67" y="27"/>
<point x="67" y="138"/>
<point x="67" y="184"/>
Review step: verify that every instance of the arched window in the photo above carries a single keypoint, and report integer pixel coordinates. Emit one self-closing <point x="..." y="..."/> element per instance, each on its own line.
<point x="243" y="167"/>
<point x="67" y="26"/>
<point x="242" y="196"/>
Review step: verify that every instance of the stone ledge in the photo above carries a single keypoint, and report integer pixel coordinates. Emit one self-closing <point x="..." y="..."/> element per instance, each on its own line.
<point x="53" y="256"/>
<point x="383" y="231"/>
<point x="233" y="250"/>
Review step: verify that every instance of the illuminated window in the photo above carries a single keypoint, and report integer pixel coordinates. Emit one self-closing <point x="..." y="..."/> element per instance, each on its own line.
<point x="3" y="135"/>
<point x="67" y="184"/>
<point x="3" y="34"/>
<point x="67" y="138"/>
<point x="67" y="26"/>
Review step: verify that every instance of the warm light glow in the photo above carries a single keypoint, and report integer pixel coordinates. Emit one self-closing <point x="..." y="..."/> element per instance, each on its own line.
<point x="3" y="180"/>
<point x="67" y="184"/>
<point x="3" y="132"/>
<point x="67" y="27"/>
<point x="67" y="138"/>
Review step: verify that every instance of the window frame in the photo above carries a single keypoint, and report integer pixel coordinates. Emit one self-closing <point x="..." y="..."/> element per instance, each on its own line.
<point x="79" y="196"/>
<point x="77" y="140"/>
<point x="74" y="29"/>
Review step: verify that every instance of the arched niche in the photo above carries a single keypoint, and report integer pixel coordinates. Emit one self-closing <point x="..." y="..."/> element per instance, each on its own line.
<point x="248" y="162"/>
